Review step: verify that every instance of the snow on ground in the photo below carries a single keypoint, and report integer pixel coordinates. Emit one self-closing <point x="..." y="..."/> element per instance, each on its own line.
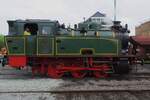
<point x="19" y="80"/>
<point x="14" y="84"/>
<point x="28" y="84"/>
<point x="48" y="84"/>
<point x="143" y="69"/>
<point x="102" y="85"/>
<point x="26" y="96"/>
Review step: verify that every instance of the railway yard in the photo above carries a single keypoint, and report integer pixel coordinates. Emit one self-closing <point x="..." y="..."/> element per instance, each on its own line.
<point x="96" y="60"/>
<point x="52" y="50"/>
<point x="21" y="85"/>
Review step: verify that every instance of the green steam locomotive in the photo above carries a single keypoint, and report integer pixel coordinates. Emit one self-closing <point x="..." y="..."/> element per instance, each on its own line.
<point x="93" y="47"/>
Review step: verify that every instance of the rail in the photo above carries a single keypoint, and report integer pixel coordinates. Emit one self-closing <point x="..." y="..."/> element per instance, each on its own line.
<point x="76" y="91"/>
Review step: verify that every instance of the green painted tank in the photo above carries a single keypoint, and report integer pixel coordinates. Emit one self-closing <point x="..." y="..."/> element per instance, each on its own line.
<point x="96" y="46"/>
<point x="50" y="39"/>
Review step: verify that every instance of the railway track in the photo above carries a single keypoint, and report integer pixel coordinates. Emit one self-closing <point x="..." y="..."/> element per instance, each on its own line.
<point x="117" y="77"/>
<point x="134" y="86"/>
<point x="139" y="75"/>
<point x="78" y="91"/>
<point x="90" y="95"/>
<point x="132" y="76"/>
<point x="9" y="73"/>
<point x="111" y="95"/>
<point x="15" y="75"/>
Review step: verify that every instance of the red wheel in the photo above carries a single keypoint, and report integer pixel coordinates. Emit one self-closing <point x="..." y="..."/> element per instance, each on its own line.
<point x="100" y="74"/>
<point x="35" y="70"/>
<point x="43" y="70"/>
<point x="78" y="74"/>
<point x="54" y="73"/>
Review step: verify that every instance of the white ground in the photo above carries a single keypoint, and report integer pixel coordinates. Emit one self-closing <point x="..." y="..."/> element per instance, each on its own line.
<point x="26" y="96"/>
<point x="28" y="84"/>
<point x="18" y="81"/>
<point x="13" y="84"/>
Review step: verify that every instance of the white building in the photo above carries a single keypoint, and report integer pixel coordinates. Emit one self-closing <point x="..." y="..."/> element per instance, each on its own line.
<point x="100" y="19"/>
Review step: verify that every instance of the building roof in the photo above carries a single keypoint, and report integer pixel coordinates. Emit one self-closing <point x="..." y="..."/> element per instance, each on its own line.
<point x="98" y="14"/>
<point x="141" y="40"/>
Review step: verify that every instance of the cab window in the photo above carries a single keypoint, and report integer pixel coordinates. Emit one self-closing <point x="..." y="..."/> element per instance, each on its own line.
<point x="32" y="28"/>
<point x="46" y="30"/>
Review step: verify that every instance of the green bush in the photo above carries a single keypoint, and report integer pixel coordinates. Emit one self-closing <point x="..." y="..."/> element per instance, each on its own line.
<point x="1" y="40"/>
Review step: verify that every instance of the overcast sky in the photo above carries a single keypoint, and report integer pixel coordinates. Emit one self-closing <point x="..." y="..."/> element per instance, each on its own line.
<point x="133" y="12"/>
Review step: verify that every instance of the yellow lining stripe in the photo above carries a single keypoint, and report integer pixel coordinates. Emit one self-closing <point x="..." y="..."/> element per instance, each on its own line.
<point x="113" y="34"/>
<point x="24" y="37"/>
<point x="50" y="44"/>
<point x="13" y="38"/>
<point x="80" y="51"/>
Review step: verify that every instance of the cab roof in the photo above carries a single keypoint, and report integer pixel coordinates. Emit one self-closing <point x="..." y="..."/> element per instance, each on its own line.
<point x="34" y="21"/>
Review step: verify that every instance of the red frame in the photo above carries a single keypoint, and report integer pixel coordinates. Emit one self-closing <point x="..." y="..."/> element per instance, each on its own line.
<point x="17" y="61"/>
<point x="57" y="67"/>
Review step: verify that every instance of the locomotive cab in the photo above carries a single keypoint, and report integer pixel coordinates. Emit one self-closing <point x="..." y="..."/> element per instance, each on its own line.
<point x="36" y="27"/>
<point x="41" y="31"/>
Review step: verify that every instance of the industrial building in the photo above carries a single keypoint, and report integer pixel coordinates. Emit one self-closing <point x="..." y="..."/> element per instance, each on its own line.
<point x="143" y="29"/>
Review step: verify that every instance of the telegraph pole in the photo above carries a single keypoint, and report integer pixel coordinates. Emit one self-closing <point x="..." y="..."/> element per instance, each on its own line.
<point x="115" y="10"/>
